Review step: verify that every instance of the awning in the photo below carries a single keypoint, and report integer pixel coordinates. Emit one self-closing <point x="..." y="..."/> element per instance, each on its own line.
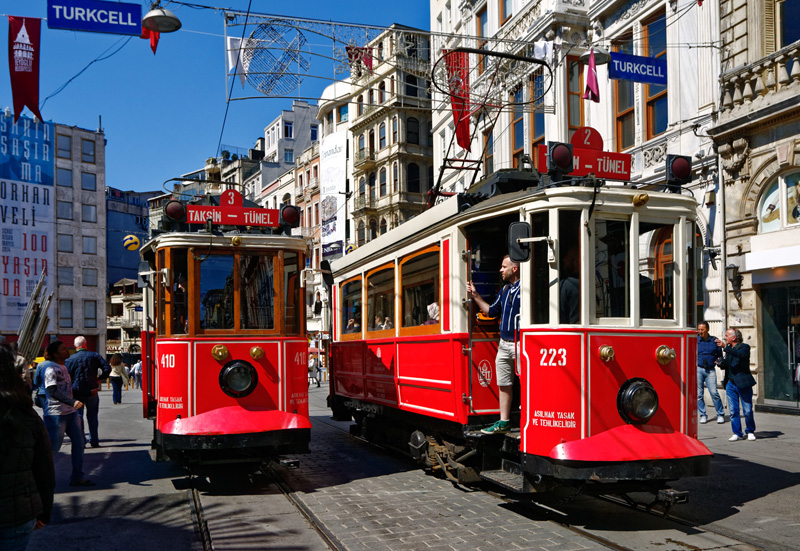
<point x="124" y="282"/>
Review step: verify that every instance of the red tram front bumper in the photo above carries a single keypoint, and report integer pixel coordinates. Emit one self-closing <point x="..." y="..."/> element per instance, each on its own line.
<point x="236" y="420"/>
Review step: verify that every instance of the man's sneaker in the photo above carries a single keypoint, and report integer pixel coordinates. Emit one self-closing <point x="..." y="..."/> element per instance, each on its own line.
<point x="703" y="419"/>
<point x="81" y="482"/>
<point x="500" y="427"/>
<point x="735" y="437"/>
<point x="751" y="436"/>
<point x="720" y="419"/>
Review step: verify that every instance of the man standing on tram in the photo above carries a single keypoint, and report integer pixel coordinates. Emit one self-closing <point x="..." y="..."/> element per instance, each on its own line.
<point x="507" y="306"/>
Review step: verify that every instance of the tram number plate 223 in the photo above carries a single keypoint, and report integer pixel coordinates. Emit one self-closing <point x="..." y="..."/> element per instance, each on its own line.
<point x="553" y="357"/>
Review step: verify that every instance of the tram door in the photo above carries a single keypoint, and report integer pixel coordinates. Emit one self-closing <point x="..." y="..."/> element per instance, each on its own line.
<point x="487" y="244"/>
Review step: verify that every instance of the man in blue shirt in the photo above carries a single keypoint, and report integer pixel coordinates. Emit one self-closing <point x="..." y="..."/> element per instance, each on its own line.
<point x="506" y="305"/>
<point x="708" y="356"/>
<point x="83" y="367"/>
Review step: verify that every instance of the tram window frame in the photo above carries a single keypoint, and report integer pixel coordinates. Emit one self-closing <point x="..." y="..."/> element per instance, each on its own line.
<point x="540" y="269"/>
<point x="656" y="259"/>
<point x="198" y="298"/>
<point x="245" y="300"/>
<point x="291" y="284"/>
<point x="178" y="301"/>
<point x="379" y="291"/>
<point x="358" y="315"/>
<point x="161" y="314"/>
<point x="569" y="239"/>
<point x="597" y="315"/>
<point x="418" y="279"/>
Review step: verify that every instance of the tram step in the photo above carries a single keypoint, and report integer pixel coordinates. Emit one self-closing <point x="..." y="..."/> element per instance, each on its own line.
<point x="514" y="482"/>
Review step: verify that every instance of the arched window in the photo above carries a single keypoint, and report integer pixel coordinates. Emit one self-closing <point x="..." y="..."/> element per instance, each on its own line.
<point x="371" y="96"/>
<point x="780" y="203"/>
<point x="381" y="92"/>
<point x="373" y="229"/>
<point x="411" y="86"/>
<point x="361" y="233"/>
<point x="382" y="136"/>
<point x="287" y="199"/>
<point x="413" y="178"/>
<point x="372" y="188"/>
<point x="360" y="103"/>
<point x="394" y="129"/>
<point x="380" y="51"/>
<point x="371" y="141"/>
<point x="412" y="131"/>
<point x="361" y="143"/>
<point x="383" y="181"/>
<point x="383" y="226"/>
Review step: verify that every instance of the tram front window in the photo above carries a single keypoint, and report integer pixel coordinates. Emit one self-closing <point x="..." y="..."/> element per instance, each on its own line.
<point x="180" y="297"/>
<point x="216" y="292"/>
<point x="258" y="292"/>
<point x="612" y="268"/>
<point x="657" y="277"/>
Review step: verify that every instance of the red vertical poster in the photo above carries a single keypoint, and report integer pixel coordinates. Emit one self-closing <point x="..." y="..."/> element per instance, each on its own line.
<point x="458" y="82"/>
<point x="23" y="63"/>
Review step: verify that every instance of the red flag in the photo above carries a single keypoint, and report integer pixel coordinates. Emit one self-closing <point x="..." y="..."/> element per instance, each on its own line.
<point x="592" y="89"/>
<point x="356" y="54"/>
<point x="458" y="83"/>
<point x="153" y="36"/>
<point x="23" y="63"/>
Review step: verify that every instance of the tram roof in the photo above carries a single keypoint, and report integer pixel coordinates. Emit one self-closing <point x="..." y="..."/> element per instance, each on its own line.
<point x="616" y="199"/>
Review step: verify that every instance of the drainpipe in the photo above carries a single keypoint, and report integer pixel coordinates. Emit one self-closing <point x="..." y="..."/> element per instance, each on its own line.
<point x="723" y="243"/>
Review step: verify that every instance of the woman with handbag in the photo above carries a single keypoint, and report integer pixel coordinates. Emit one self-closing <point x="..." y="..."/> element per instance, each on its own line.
<point x="739" y="383"/>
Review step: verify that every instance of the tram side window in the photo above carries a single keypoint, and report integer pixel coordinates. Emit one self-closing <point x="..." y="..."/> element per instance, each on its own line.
<point x="216" y="292"/>
<point x="540" y="269"/>
<point x="569" y="266"/>
<point x="160" y="290"/>
<point x="657" y="271"/>
<point x="420" y="282"/>
<point x="257" y="286"/>
<point x="380" y="300"/>
<point x="612" y="273"/>
<point x="293" y="306"/>
<point x="180" y="299"/>
<point x="351" y="306"/>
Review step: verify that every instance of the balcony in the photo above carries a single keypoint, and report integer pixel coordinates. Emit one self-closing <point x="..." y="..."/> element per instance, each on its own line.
<point x="364" y="202"/>
<point x="364" y="159"/>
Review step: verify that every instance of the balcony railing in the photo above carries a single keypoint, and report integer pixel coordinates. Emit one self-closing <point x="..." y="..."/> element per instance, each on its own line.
<point x="364" y="157"/>
<point x="365" y="202"/>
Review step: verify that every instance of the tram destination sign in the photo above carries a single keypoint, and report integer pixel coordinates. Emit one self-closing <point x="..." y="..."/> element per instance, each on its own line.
<point x="603" y="164"/>
<point x="232" y="213"/>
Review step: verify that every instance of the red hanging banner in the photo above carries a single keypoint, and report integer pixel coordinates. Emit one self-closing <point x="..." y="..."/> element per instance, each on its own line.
<point x="458" y="82"/>
<point x="23" y="63"/>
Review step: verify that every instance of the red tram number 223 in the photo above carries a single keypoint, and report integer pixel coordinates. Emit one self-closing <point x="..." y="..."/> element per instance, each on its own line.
<point x="552" y="357"/>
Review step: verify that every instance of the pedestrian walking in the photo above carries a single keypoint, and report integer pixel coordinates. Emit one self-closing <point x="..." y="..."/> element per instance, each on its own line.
<point x="27" y="476"/>
<point x="137" y="374"/>
<point x="709" y="355"/>
<point x="739" y="383"/>
<point x="118" y="374"/>
<point x="61" y="415"/>
<point x="86" y="368"/>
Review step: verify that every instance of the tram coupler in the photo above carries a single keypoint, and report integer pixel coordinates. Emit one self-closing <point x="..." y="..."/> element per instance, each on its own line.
<point x="667" y="498"/>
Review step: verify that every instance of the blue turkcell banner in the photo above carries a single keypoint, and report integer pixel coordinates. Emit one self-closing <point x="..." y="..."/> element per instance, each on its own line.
<point x="95" y="16"/>
<point x="641" y="69"/>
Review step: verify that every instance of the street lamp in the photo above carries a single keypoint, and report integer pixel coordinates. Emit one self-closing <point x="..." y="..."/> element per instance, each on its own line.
<point x="601" y="56"/>
<point x="733" y="275"/>
<point x="160" y="19"/>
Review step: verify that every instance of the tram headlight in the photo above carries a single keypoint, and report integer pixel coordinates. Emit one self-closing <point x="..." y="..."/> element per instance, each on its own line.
<point x="238" y="378"/>
<point x="637" y="401"/>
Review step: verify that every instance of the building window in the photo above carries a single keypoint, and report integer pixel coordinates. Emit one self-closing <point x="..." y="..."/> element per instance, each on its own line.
<point x="66" y="275"/>
<point x="488" y="158"/>
<point x="64" y="147"/>
<point x="395" y="177"/>
<point x="380" y="51"/>
<point x="88" y="213"/>
<point x="317" y="221"/>
<point x="412" y="131"/>
<point x="371" y="97"/>
<point x="89" y="277"/>
<point x="288" y="130"/>
<point x="506" y="10"/>
<point x="372" y="188"/>
<point x="287" y="199"/>
<point x="780" y="204"/>
<point x="483" y="34"/>
<point x="381" y="92"/>
<point x="383" y="182"/>
<point x="360" y="106"/>
<point x="788" y="11"/>
<point x="517" y="128"/>
<point x="394" y="129"/>
<point x="362" y="186"/>
<point x="371" y="141"/>
<point x="574" y="93"/>
<point x="537" y="117"/>
<point x="88" y="181"/>
<point x="361" y="233"/>
<point x="411" y="86"/>
<point x="65" y="313"/>
<point x="64" y="210"/>
<point x="373" y="229"/>
<point x="623" y="102"/>
<point x="382" y="136"/>
<point x="288" y="155"/>
<point x="64" y="177"/>
<point x="383" y="226"/>
<point x="64" y="242"/>
<point x="89" y="244"/>
<point x="413" y="178"/>
<point x="314" y="132"/>
<point x="87" y="151"/>
<point x="90" y="313"/>
<point x="342" y="113"/>
<point x="655" y="33"/>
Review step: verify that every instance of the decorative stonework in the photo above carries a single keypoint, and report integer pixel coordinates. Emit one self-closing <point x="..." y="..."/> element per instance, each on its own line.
<point x="634" y="9"/>
<point x="734" y="155"/>
<point x="655" y="155"/>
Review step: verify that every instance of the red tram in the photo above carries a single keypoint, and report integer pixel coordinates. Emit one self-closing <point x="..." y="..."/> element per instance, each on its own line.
<point x="607" y="385"/>
<point x="224" y="350"/>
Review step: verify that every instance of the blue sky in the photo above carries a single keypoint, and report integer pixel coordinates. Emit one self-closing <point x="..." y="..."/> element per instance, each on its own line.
<point x="162" y="114"/>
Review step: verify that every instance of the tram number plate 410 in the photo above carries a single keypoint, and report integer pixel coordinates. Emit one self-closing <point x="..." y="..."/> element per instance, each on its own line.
<point x="167" y="360"/>
<point x="553" y="357"/>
